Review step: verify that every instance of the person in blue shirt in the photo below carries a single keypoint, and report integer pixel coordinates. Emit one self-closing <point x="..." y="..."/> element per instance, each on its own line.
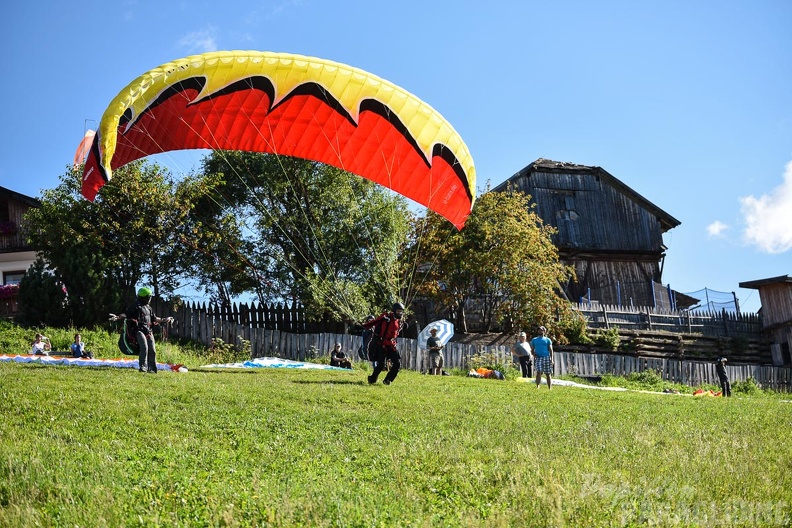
<point x="78" y="348"/>
<point x="543" y="357"/>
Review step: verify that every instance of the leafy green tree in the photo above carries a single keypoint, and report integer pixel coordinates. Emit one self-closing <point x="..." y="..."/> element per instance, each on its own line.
<point x="298" y="230"/>
<point x="42" y="297"/>
<point x="102" y="250"/>
<point x="504" y="257"/>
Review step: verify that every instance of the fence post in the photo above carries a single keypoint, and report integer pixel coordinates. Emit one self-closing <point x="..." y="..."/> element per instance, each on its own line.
<point x="605" y="316"/>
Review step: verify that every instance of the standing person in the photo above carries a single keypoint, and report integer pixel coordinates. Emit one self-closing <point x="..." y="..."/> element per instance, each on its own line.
<point x="364" y="352"/>
<point x="720" y="368"/>
<point x="78" y="348"/>
<point x="522" y="350"/>
<point x="543" y="357"/>
<point x="142" y="317"/>
<point x="40" y="346"/>
<point x="435" y="348"/>
<point x="338" y="358"/>
<point x="386" y="329"/>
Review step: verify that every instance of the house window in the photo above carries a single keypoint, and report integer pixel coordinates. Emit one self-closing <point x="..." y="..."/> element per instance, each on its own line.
<point x="12" y="277"/>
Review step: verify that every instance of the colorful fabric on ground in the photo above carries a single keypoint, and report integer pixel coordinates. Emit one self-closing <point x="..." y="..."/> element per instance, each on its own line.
<point x="81" y="362"/>
<point x="271" y="362"/>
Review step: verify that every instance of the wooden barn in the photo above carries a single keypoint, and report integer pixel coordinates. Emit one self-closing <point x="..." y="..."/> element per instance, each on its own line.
<point x="609" y="233"/>
<point x="776" y="296"/>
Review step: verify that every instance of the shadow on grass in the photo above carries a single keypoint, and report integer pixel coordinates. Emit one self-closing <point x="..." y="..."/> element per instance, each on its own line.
<point x="332" y="382"/>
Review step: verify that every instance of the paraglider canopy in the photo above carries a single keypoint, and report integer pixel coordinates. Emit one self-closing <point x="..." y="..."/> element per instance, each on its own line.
<point x="291" y="105"/>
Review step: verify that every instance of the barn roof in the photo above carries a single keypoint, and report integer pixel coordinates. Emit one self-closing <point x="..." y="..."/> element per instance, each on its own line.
<point x="20" y="197"/>
<point x="755" y="285"/>
<point x="562" y="167"/>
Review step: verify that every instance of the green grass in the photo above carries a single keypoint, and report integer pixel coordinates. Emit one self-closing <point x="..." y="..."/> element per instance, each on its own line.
<point x="271" y="447"/>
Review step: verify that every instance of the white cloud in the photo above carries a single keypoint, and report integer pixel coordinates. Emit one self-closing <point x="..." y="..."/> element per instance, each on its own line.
<point x="768" y="219"/>
<point x="200" y="41"/>
<point x="716" y="228"/>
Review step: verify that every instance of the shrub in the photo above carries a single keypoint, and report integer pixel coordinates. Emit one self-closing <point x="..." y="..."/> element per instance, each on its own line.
<point x="748" y="386"/>
<point x="491" y="361"/>
<point x="608" y="338"/>
<point x="647" y="378"/>
<point x="222" y="352"/>
<point x="574" y="330"/>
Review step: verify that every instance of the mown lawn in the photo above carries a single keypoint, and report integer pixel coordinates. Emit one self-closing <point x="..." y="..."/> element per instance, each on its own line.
<point x="272" y="447"/>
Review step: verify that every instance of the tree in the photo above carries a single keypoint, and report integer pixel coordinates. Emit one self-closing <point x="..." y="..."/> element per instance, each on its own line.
<point x="103" y="250"/>
<point x="298" y="230"/>
<point x="504" y="257"/>
<point x="42" y="297"/>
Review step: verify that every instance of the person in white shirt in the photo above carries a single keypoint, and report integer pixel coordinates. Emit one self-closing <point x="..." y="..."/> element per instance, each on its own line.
<point x="522" y="350"/>
<point x="41" y="346"/>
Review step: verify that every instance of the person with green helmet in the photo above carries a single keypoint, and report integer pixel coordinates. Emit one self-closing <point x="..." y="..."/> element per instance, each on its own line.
<point x="142" y="317"/>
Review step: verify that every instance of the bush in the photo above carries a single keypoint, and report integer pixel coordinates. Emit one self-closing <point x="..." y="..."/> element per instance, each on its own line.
<point x="574" y="330"/>
<point x="222" y="352"/>
<point x="748" y="386"/>
<point x="608" y="338"/>
<point x="650" y="380"/>
<point x="491" y="361"/>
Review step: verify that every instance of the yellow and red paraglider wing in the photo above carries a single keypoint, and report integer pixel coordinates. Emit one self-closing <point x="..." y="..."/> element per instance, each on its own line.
<point x="290" y="105"/>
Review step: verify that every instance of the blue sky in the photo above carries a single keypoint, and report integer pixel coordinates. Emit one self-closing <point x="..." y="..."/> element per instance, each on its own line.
<point x="687" y="102"/>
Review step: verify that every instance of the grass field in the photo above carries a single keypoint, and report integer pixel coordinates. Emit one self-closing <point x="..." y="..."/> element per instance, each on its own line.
<point x="275" y="447"/>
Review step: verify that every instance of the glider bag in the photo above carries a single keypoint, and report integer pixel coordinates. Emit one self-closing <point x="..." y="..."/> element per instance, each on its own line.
<point x="127" y="342"/>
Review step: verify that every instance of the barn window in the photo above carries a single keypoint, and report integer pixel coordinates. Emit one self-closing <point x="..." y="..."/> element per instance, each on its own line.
<point x="567" y="214"/>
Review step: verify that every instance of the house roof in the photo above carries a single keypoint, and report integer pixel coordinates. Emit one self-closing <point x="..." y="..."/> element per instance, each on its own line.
<point x="755" y="285"/>
<point x="33" y="202"/>
<point x="545" y="165"/>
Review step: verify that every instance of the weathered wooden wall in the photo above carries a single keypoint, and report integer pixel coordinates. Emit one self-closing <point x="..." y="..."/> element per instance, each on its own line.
<point x="722" y="323"/>
<point x="630" y="282"/>
<point x="606" y="232"/>
<point x="776" y="303"/>
<point x="589" y="213"/>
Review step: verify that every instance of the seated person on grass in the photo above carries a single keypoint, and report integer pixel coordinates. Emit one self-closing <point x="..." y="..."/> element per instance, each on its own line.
<point x="78" y="348"/>
<point x="338" y="358"/>
<point x="41" y="346"/>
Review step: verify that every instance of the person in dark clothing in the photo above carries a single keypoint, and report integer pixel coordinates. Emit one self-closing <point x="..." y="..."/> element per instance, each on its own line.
<point x="720" y="368"/>
<point x="364" y="352"/>
<point x="142" y="318"/>
<point x="338" y="358"/>
<point x="383" y="345"/>
<point x="522" y="350"/>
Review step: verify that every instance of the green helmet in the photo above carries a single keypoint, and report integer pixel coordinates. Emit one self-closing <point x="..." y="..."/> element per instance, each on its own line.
<point x="145" y="291"/>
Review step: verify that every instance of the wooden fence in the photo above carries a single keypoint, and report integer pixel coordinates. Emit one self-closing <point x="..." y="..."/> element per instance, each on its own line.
<point x="721" y="323"/>
<point x="667" y="345"/>
<point x="277" y="316"/>
<point x="292" y="318"/>
<point x="305" y="346"/>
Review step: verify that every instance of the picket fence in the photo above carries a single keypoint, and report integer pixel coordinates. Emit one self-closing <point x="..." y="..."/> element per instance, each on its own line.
<point x="302" y="347"/>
